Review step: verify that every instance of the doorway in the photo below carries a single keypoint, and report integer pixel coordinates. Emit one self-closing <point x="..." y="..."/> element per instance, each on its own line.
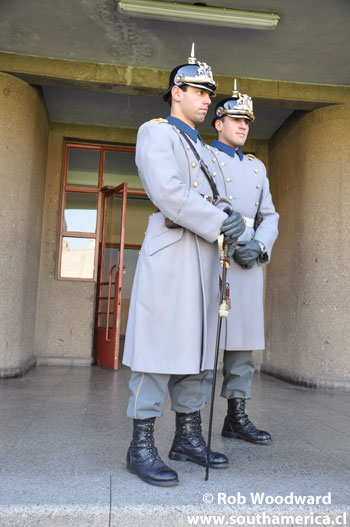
<point x="124" y="222"/>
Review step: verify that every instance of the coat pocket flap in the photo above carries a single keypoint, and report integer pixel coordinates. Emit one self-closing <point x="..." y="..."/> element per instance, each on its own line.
<point x="164" y="239"/>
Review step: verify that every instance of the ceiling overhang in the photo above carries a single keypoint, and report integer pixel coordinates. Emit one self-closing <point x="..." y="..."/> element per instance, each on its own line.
<point x="133" y="80"/>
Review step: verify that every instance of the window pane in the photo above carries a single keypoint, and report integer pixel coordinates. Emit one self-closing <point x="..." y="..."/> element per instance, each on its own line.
<point x="119" y="167"/>
<point x="77" y="259"/>
<point x="80" y="212"/>
<point x="83" y="167"/>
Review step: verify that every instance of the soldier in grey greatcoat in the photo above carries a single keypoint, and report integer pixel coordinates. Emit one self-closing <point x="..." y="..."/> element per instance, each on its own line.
<point x="170" y="337"/>
<point x="247" y="188"/>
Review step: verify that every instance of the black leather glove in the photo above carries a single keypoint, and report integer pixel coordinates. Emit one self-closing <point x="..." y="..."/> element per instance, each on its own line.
<point x="247" y="253"/>
<point x="231" y="246"/>
<point x="233" y="226"/>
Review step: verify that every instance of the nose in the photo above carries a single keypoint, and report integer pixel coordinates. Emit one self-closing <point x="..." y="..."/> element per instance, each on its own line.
<point x="243" y="124"/>
<point x="206" y="98"/>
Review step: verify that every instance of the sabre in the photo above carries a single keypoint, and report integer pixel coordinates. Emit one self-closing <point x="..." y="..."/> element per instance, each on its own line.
<point x="223" y="313"/>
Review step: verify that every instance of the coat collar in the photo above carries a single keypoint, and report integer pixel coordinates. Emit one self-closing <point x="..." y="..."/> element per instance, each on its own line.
<point x="191" y="132"/>
<point x="228" y="149"/>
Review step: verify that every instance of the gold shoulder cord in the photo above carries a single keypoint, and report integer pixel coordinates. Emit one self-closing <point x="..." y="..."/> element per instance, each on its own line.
<point x="159" y="120"/>
<point x="251" y="156"/>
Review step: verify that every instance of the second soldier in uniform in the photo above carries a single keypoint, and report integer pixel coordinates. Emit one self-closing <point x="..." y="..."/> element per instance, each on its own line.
<point x="247" y="188"/>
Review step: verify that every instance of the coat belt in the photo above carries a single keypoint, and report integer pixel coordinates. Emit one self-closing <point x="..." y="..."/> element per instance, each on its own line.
<point x="171" y="225"/>
<point x="248" y="222"/>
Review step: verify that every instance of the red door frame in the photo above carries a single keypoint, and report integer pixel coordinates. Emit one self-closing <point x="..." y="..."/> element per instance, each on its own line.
<point x="107" y="340"/>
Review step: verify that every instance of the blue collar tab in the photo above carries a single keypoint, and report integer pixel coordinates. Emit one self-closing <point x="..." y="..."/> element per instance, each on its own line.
<point x="191" y="132"/>
<point x="228" y="149"/>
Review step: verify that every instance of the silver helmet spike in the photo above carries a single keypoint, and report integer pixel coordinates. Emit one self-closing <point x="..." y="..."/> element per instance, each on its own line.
<point x="192" y="59"/>
<point x="235" y="92"/>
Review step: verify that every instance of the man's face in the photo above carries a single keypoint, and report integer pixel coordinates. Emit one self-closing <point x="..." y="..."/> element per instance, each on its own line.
<point x="232" y="131"/>
<point x="191" y="105"/>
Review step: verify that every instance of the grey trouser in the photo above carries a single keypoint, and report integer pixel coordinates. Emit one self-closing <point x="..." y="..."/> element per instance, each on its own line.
<point x="238" y="371"/>
<point x="148" y="391"/>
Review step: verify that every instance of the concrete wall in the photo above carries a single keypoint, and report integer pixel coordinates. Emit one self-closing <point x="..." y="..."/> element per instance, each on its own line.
<point x="65" y="317"/>
<point x="24" y="129"/>
<point x="307" y="290"/>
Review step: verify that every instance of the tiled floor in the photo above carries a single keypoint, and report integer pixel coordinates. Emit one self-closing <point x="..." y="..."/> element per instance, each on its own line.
<point x="64" y="436"/>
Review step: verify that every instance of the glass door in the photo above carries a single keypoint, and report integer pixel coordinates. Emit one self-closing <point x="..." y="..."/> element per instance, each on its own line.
<point x="110" y="278"/>
<point x="124" y="222"/>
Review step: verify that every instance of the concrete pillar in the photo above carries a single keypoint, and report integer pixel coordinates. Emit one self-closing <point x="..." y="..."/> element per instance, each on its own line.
<point x="308" y="281"/>
<point x="24" y="127"/>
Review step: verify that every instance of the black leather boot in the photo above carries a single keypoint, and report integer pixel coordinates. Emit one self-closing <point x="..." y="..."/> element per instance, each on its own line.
<point x="189" y="443"/>
<point x="143" y="459"/>
<point x="237" y="424"/>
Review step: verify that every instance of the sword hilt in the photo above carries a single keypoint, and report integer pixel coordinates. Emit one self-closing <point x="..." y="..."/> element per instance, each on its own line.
<point x="223" y="248"/>
<point x="225" y="264"/>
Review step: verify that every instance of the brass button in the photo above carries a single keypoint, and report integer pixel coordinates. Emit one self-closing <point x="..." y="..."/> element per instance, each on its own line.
<point x="187" y="147"/>
<point x="258" y="186"/>
<point x="214" y="160"/>
<point x="228" y="180"/>
<point x="256" y="171"/>
<point x="230" y="197"/>
<point x="257" y="203"/>
<point x="214" y="174"/>
<point x="222" y="164"/>
<point x="208" y="147"/>
<point x="195" y="184"/>
<point x="252" y="237"/>
<point x="194" y="165"/>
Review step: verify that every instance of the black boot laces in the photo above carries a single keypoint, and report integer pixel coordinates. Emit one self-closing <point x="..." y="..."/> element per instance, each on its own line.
<point x="193" y="430"/>
<point x="244" y="419"/>
<point x="149" y="442"/>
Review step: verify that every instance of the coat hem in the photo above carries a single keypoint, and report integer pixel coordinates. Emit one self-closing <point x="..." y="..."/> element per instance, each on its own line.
<point x="165" y="372"/>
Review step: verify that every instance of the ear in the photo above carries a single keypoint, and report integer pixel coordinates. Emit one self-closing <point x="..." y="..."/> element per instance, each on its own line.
<point x="218" y="125"/>
<point x="176" y="93"/>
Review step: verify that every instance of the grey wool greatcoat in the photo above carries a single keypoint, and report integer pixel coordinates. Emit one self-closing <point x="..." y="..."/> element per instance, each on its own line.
<point x="174" y="302"/>
<point x="244" y="180"/>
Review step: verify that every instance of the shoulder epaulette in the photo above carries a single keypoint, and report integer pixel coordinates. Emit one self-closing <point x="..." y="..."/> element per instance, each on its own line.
<point x="252" y="157"/>
<point x="159" y="120"/>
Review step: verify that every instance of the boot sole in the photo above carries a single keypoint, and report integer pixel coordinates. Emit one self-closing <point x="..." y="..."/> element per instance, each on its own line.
<point x="177" y="456"/>
<point x="170" y="483"/>
<point x="233" y="435"/>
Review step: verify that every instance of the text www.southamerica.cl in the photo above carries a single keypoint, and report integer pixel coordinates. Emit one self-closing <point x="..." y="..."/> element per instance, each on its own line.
<point x="269" y="519"/>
